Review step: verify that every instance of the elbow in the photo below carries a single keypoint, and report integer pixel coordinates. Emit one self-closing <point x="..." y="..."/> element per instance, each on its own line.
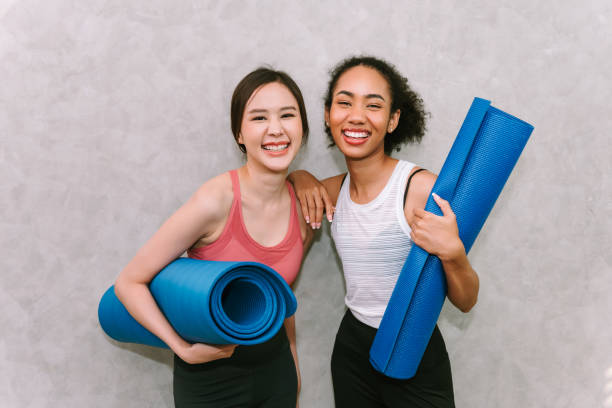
<point x="121" y="287"/>
<point x="469" y="301"/>
<point x="470" y="296"/>
<point x="118" y="288"/>
<point x="462" y="300"/>
<point x="467" y="306"/>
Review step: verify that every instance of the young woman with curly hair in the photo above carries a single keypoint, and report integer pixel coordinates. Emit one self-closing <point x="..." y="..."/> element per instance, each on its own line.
<point x="370" y="111"/>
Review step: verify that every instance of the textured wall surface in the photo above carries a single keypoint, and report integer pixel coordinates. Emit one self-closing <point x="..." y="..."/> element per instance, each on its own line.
<point x="113" y="112"/>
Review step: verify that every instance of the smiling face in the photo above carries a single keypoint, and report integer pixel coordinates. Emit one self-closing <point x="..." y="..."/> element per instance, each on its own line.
<point x="360" y="115"/>
<point x="271" y="128"/>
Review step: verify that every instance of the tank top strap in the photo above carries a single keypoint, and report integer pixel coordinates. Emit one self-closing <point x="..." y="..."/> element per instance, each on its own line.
<point x="294" y="218"/>
<point x="235" y="184"/>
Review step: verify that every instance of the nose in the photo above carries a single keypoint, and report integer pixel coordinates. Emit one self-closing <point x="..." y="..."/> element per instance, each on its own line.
<point x="356" y="115"/>
<point x="275" y="127"/>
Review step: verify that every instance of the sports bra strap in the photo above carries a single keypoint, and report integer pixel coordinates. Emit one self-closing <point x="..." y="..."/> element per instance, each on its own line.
<point x="408" y="184"/>
<point x="343" y="178"/>
<point x="235" y="183"/>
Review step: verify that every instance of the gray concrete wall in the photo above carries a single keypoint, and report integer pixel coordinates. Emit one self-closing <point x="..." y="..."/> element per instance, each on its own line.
<point x="113" y="112"/>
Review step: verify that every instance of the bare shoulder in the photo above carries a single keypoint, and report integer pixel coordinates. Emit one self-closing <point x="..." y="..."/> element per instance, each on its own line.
<point x="333" y="185"/>
<point x="419" y="190"/>
<point x="422" y="183"/>
<point x="213" y="199"/>
<point x="198" y="220"/>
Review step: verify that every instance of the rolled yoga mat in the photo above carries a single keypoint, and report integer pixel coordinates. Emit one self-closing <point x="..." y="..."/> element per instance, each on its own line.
<point x="208" y="302"/>
<point x="480" y="161"/>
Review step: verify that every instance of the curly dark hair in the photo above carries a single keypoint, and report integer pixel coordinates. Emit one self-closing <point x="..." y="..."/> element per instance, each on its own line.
<point x="412" y="122"/>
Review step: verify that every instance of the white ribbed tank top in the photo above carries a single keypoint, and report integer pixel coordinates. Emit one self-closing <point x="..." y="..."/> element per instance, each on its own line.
<point x="373" y="241"/>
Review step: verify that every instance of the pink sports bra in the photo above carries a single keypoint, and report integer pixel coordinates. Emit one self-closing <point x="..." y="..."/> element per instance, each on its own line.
<point x="235" y="243"/>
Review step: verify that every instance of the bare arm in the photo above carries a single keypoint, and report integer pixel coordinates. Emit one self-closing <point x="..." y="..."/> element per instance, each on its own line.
<point x="439" y="235"/>
<point x="200" y="218"/>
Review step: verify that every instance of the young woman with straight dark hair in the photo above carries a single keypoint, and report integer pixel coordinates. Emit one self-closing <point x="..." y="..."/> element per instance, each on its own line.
<point x="247" y="214"/>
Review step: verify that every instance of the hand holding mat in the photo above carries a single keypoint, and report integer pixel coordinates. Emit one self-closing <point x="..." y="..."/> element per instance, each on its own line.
<point x="480" y="161"/>
<point x="208" y="302"/>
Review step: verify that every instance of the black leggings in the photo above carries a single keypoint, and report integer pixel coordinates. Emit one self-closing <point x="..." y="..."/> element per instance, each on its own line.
<point x="263" y="375"/>
<point x="357" y="384"/>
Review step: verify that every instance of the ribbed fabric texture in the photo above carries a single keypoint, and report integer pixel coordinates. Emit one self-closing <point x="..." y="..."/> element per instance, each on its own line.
<point x="373" y="241"/>
<point x="236" y="245"/>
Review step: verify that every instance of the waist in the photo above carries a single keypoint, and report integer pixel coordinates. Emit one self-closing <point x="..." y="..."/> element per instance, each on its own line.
<point x="367" y="296"/>
<point x="243" y="355"/>
<point x="359" y="336"/>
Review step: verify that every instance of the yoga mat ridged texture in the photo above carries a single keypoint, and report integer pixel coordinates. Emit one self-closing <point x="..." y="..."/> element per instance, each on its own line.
<point x="208" y="302"/>
<point x="480" y="161"/>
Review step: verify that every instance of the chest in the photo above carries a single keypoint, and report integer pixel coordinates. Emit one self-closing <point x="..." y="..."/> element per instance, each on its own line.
<point x="268" y="226"/>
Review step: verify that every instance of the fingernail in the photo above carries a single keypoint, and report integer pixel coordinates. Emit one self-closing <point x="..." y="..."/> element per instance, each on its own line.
<point x="307" y="219"/>
<point x="435" y="195"/>
<point x="329" y="218"/>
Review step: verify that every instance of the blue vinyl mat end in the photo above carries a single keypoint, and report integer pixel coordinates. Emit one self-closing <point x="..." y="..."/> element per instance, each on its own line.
<point x="208" y="302"/>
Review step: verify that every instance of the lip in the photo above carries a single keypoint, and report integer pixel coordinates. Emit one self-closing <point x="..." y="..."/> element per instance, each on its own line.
<point x="276" y="152"/>
<point x="355" y="140"/>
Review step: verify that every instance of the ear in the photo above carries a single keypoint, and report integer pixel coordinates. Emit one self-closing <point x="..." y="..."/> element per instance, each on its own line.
<point x="327" y="117"/>
<point x="240" y="140"/>
<point x="393" y="121"/>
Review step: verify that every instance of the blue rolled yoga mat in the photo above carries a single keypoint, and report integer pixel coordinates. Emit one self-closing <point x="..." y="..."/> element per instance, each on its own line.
<point x="208" y="302"/>
<point x="480" y="161"/>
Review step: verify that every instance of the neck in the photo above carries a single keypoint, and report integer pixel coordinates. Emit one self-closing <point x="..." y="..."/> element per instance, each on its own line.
<point x="369" y="169"/>
<point x="262" y="183"/>
<point x="368" y="174"/>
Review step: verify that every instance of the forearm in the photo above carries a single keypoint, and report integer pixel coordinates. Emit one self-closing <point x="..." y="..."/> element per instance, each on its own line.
<point x="139" y="302"/>
<point x="462" y="281"/>
<point x="297" y="173"/>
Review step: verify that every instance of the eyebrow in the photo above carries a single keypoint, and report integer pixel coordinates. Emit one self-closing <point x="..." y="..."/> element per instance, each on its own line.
<point x="372" y="95"/>
<point x="266" y="110"/>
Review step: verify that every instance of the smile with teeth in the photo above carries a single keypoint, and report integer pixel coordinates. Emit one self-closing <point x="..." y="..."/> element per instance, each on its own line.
<point x="357" y="134"/>
<point x="275" y="147"/>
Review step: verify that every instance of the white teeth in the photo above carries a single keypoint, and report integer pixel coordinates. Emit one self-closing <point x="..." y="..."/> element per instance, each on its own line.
<point x="275" y="148"/>
<point x="359" y="135"/>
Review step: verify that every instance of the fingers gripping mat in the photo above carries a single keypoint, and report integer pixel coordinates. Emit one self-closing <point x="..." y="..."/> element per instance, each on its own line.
<point x="480" y="161"/>
<point x="208" y="302"/>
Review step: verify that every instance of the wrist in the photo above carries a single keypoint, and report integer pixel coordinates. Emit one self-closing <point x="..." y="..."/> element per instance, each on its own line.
<point x="454" y="253"/>
<point x="179" y="347"/>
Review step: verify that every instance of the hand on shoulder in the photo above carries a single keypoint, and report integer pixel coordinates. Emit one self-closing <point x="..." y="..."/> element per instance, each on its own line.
<point x="315" y="196"/>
